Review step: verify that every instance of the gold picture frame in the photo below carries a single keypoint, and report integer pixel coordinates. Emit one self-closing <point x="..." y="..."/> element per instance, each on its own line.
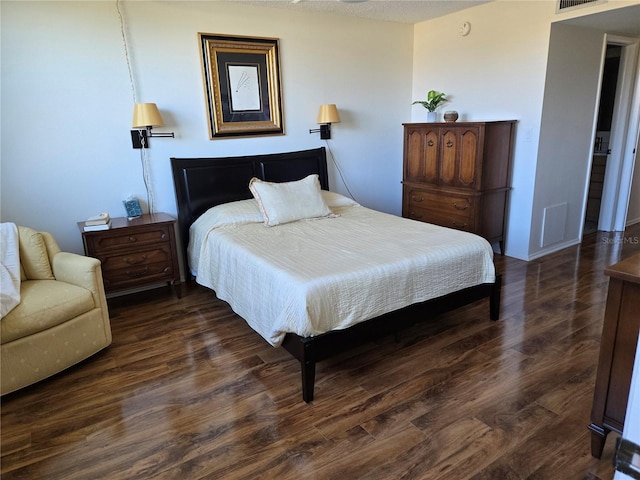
<point x="242" y="85"/>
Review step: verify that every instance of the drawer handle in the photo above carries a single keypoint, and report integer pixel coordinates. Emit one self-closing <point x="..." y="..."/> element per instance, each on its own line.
<point x="430" y="143"/>
<point x="463" y="207"/>
<point x="415" y="215"/>
<point x="143" y="259"/>
<point x="132" y="239"/>
<point x="163" y="236"/>
<point x="459" y="225"/>
<point x="449" y="144"/>
<point x="138" y="273"/>
<point x="417" y="199"/>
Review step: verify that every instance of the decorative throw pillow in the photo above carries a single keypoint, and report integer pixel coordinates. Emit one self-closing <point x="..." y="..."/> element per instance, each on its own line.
<point x="33" y="255"/>
<point x="289" y="201"/>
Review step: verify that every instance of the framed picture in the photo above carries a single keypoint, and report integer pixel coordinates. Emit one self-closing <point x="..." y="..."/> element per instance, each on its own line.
<point x="242" y="85"/>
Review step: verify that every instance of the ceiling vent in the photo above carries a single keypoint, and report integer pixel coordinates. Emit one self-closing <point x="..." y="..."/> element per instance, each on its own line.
<point x="564" y="5"/>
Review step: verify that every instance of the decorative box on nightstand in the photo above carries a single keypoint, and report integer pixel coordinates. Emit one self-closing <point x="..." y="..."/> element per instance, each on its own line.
<point x="135" y="253"/>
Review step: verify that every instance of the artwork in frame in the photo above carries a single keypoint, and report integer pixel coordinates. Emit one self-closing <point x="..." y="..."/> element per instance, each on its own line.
<point x="242" y="85"/>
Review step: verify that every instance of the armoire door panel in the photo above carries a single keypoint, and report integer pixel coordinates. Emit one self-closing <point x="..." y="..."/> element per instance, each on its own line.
<point x="468" y="157"/>
<point x="431" y="155"/>
<point x="414" y="168"/>
<point x="449" y="160"/>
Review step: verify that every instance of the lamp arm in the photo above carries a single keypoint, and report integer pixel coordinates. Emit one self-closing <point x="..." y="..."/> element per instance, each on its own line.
<point x="171" y="134"/>
<point x="139" y="137"/>
<point x="165" y="135"/>
<point x="325" y="131"/>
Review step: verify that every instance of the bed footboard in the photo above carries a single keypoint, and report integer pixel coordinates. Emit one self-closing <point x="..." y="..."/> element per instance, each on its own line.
<point x="308" y="351"/>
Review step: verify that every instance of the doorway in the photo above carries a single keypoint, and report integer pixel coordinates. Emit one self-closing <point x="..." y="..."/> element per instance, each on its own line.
<point x="601" y="149"/>
<point x="616" y="130"/>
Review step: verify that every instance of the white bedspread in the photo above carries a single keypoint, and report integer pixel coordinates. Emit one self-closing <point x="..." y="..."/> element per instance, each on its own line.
<point x="312" y="276"/>
<point x="9" y="268"/>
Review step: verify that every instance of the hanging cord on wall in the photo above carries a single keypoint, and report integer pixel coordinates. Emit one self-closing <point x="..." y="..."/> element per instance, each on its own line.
<point x="146" y="176"/>
<point x="344" y="182"/>
<point x="144" y="157"/>
<point x="126" y="52"/>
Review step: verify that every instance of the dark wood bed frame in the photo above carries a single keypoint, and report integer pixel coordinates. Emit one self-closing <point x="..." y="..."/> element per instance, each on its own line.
<point x="201" y="183"/>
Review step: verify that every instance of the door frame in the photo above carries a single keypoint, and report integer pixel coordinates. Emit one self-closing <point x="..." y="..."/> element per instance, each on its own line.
<point x="625" y="126"/>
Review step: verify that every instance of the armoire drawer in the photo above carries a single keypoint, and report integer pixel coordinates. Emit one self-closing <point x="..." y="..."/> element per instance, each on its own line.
<point x="449" y="204"/>
<point x="431" y="215"/>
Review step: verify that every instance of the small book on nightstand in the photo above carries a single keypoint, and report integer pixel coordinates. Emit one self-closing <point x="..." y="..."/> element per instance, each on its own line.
<point x="100" y="219"/>
<point x="98" y="227"/>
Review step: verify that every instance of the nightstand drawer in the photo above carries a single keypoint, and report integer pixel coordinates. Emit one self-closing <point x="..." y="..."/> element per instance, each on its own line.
<point x="119" y="275"/>
<point x="131" y="278"/>
<point x="115" y="239"/>
<point x="135" y="258"/>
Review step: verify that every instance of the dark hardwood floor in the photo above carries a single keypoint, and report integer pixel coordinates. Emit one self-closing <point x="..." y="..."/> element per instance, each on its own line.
<point x="188" y="391"/>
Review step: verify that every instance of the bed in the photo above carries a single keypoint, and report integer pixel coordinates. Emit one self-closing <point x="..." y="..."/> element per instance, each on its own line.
<point x="309" y="285"/>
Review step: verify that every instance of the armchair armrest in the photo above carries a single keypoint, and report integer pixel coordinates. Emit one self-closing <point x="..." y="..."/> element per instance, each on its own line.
<point x="82" y="271"/>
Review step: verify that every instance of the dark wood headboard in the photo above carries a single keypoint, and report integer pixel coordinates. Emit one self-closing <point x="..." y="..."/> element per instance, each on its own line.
<point x="202" y="183"/>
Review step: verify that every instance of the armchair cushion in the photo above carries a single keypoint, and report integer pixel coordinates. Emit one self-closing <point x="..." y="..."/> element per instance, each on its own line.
<point x="50" y="303"/>
<point x="33" y="255"/>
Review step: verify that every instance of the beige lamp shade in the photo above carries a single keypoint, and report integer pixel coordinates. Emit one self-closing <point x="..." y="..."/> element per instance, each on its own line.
<point x="146" y="115"/>
<point x="328" y="114"/>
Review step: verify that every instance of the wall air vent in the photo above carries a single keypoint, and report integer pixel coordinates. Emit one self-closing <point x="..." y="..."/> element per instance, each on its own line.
<point x="564" y="5"/>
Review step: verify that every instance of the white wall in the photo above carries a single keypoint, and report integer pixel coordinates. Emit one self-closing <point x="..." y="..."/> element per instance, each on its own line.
<point x="565" y="151"/>
<point x="494" y="73"/>
<point x="67" y="101"/>
<point x="514" y="65"/>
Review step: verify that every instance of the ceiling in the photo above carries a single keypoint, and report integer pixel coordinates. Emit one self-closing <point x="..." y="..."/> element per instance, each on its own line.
<point x="403" y="11"/>
<point x="623" y="21"/>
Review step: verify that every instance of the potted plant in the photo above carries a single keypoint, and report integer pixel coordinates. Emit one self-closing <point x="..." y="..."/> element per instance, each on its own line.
<point x="433" y="101"/>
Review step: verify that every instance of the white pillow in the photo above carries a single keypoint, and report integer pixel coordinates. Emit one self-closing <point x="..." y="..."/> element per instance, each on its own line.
<point x="333" y="199"/>
<point x="227" y="214"/>
<point x="289" y="201"/>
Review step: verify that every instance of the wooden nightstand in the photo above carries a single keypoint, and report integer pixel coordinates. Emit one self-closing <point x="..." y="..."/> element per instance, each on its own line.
<point x="135" y="253"/>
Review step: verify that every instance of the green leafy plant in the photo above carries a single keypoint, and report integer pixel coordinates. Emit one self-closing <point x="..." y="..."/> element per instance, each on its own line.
<point x="433" y="101"/>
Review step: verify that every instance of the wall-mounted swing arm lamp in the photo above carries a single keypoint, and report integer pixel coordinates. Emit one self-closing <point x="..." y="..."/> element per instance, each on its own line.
<point x="327" y="115"/>
<point x="145" y="117"/>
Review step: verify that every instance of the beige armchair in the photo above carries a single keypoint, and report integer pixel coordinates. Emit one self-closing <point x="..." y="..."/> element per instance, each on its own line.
<point x="62" y="317"/>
